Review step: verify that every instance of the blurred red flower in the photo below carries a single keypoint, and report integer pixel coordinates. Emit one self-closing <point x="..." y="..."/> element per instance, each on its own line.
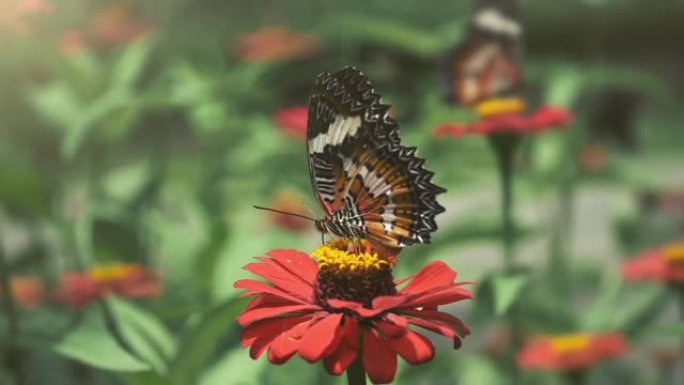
<point x="593" y="158"/>
<point x="131" y="281"/>
<point x="27" y="291"/>
<point x="347" y="305"/>
<point x="665" y="264"/>
<point x="571" y="352"/>
<point x="289" y="201"/>
<point x="72" y="42"/>
<point x="13" y="13"/>
<point x="543" y="119"/>
<point x="118" y="24"/>
<point x="293" y="121"/>
<point x="274" y="43"/>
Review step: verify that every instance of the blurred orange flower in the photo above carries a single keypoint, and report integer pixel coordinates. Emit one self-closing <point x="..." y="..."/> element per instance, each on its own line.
<point x="571" y="352"/>
<point x="274" y="43"/>
<point x="13" y="13"/>
<point x="117" y="24"/>
<point x="289" y="201"/>
<point x="126" y="280"/>
<point x="293" y="121"/>
<point x="27" y="291"/>
<point x="665" y="264"/>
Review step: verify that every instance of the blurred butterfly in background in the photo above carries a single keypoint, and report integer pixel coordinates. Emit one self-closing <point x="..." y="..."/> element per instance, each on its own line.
<point x="369" y="185"/>
<point x="486" y="63"/>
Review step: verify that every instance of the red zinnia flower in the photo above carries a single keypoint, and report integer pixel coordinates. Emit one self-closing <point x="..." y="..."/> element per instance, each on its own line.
<point x="571" y="352"/>
<point x="346" y="305"/>
<point x="131" y="281"/>
<point x="507" y="115"/>
<point x="28" y="292"/>
<point x="665" y="264"/>
<point x="276" y="43"/>
<point x="293" y="121"/>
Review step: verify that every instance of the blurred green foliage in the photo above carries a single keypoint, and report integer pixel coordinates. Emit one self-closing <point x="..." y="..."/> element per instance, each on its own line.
<point x="133" y="132"/>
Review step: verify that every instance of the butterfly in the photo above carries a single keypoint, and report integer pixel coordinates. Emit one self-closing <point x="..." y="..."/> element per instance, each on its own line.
<point x="369" y="185"/>
<point x="486" y="63"/>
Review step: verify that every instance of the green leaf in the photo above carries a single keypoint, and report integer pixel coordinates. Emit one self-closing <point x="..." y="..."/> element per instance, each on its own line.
<point x="672" y="330"/>
<point x="93" y="344"/>
<point x="506" y="291"/>
<point x="642" y="309"/>
<point x="478" y="370"/>
<point x="145" y="334"/>
<point x="130" y="65"/>
<point x="126" y="182"/>
<point x="236" y="361"/>
<point x="200" y="341"/>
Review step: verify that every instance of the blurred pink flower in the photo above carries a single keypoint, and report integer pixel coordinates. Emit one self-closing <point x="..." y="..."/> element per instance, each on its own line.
<point x="293" y="121"/>
<point x="27" y="291"/>
<point x="665" y="264"/>
<point x="571" y="352"/>
<point x="274" y="43"/>
<point x="131" y="281"/>
<point x="13" y="14"/>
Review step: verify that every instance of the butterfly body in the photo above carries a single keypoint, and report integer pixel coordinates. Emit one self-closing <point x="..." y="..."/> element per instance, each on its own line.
<point x="369" y="185"/>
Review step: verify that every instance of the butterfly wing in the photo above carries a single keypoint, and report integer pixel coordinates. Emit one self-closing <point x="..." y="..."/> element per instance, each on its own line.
<point x="357" y="163"/>
<point x="393" y="194"/>
<point x="486" y="63"/>
<point x="343" y="111"/>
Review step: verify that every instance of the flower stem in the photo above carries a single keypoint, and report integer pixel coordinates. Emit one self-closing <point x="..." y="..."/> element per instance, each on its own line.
<point x="356" y="373"/>
<point x="576" y="377"/>
<point x="680" y="298"/>
<point x="504" y="146"/>
<point x="14" y="361"/>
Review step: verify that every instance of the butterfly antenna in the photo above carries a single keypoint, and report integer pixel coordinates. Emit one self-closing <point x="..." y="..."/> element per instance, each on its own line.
<point x="283" y="212"/>
<point x="307" y="208"/>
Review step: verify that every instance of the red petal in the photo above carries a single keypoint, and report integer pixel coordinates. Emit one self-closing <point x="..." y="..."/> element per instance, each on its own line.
<point x="414" y="348"/>
<point x="282" y="278"/>
<point x="355" y="307"/>
<point x="255" y="287"/>
<point x="261" y="334"/>
<point x="436" y="297"/>
<point x="320" y="338"/>
<point x="433" y="275"/>
<point x="337" y="362"/>
<point x="432" y="326"/>
<point x="379" y="359"/>
<point x="300" y="264"/>
<point x="446" y="319"/>
<point x="249" y="316"/>
<point x="285" y="345"/>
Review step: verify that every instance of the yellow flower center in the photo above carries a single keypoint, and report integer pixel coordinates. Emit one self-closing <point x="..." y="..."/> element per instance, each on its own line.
<point x="111" y="273"/>
<point x="570" y="343"/>
<point x="674" y="252"/>
<point x="351" y="270"/>
<point x="344" y="255"/>
<point x="500" y="106"/>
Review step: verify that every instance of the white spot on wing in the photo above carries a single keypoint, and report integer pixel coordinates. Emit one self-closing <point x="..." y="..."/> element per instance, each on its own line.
<point x="491" y="19"/>
<point x="341" y="128"/>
